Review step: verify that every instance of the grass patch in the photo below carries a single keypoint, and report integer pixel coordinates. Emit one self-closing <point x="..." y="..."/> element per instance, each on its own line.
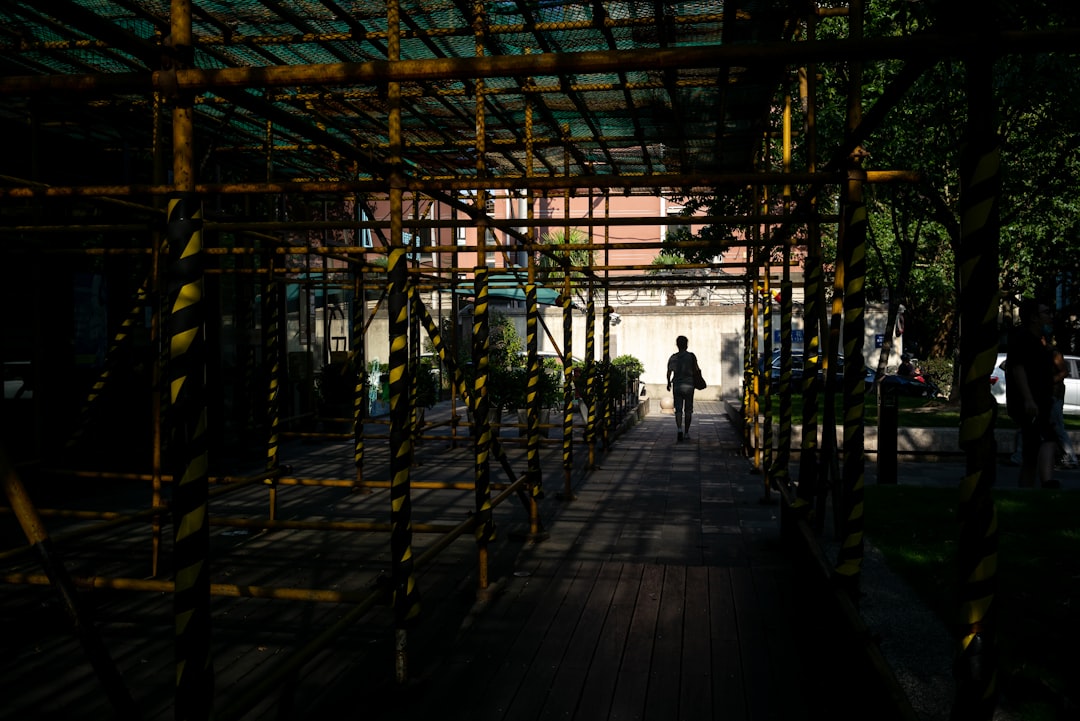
<point x="916" y="529"/>
<point x="911" y="413"/>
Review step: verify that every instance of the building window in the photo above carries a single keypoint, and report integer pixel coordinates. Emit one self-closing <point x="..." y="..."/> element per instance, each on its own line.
<point x="365" y="233"/>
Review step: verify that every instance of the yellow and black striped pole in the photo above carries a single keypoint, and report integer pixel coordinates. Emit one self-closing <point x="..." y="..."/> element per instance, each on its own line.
<point x="532" y="400"/>
<point x="485" y="527"/>
<point x="191" y="520"/>
<point x="749" y="347"/>
<point x="767" y="384"/>
<point x="759" y="368"/>
<point x="447" y="359"/>
<point x="590" y="376"/>
<point x="607" y="391"/>
<point x="780" y="475"/>
<point x="414" y="362"/>
<point x="849" y="561"/>
<point x="813" y="303"/>
<point x="568" y="390"/>
<point x="406" y="596"/>
<point x="359" y="349"/>
<point x="272" y="326"/>
<point x="813" y="307"/>
<point x="980" y="186"/>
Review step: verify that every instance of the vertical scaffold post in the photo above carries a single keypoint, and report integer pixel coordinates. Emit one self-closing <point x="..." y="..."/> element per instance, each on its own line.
<point x="485" y="529"/>
<point x="406" y="597"/>
<point x="568" y="391"/>
<point x="609" y="411"/>
<point x="978" y="267"/>
<point x="271" y="313"/>
<point x="813" y="306"/>
<point x="766" y="365"/>
<point x="191" y="522"/>
<point x="415" y="414"/>
<point x="159" y="148"/>
<point x="359" y="348"/>
<point x="749" y="375"/>
<point x="606" y="393"/>
<point x="533" y="398"/>
<point x="850" y="513"/>
<point x="758" y="364"/>
<point x="780" y="475"/>
<point x="849" y="562"/>
<point x="590" y="376"/>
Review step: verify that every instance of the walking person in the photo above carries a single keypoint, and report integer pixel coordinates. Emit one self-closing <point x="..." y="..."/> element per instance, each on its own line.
<point x="682" y="368"/>
<point x="1029" y="392"/>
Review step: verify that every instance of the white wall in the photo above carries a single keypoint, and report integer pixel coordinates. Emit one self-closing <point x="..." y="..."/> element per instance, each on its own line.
<point x="715" y="335"/>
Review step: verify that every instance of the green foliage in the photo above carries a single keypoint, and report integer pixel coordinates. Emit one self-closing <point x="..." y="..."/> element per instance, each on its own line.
<point x="427" y="383"/>
<point x="561" y="254"/>
<point x="630" y="366"/>
<point x="551" y="388"/>
<point x="507" y="387"/>
<point x="508" y="376"/>
<point x="914" y="228"/>
<point x="1038" y="564"/>
<point x="665" y="258"/>
<point x="505" y="345"/>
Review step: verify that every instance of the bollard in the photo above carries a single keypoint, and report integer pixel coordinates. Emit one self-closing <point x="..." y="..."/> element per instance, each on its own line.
<point x="888" y="422"/>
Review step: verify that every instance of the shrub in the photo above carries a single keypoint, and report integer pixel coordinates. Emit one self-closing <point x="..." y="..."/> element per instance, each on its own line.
<point x="631" y="367"/>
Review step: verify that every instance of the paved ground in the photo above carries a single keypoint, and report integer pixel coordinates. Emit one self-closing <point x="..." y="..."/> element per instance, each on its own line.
<point x="635" y="488"/>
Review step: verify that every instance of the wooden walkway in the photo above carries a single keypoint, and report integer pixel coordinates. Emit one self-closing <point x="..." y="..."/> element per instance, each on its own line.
<point x="661" y="592"/>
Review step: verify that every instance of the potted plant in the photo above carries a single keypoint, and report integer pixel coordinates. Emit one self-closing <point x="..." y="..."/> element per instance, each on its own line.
<point x="551" y="395"/>
<point x="336" y="389"/>
<point x="629" y="369"/>
<point x="427" y="390"/>
<point x="427" y="384"/>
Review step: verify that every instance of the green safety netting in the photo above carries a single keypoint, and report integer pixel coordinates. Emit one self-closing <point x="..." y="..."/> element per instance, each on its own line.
<point x="633" y="118"/>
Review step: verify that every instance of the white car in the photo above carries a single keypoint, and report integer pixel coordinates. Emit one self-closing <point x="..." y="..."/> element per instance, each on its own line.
<point x="1072" y="383"/>
<point x="17" y="380"/>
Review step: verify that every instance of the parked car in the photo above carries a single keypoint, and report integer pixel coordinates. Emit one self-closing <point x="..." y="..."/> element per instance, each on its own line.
<point x="797" y="363"/>
<point x="1072" y="383"/>
<point x="17" y="380"/>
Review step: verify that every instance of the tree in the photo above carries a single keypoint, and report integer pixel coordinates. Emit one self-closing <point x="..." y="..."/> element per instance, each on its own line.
<point x="661" y="262"/>
<point x="561" y="257"/>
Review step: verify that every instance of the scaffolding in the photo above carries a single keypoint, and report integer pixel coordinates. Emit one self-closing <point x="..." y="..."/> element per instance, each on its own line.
<point x="246" y="174"/>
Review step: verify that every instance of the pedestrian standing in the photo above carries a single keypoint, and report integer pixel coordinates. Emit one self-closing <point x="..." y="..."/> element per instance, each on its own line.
<point x="1029" y="392"/>
<point x="1057" y="411"/>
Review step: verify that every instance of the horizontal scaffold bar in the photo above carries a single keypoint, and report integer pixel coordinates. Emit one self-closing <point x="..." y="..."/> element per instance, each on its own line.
<point x="264" y="226"/>
<point x="376" y="72"/>
<point x="682" y="182"/>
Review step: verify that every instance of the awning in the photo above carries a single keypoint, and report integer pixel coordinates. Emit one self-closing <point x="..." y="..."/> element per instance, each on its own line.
<point x="511" y="285"/>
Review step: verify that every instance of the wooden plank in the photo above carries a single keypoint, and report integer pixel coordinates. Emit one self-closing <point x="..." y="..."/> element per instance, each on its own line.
<point x="695" y="692"/>
<point x="630" y="690"/>
<point x="729" y="700"/>
<point x="552" y="651"/>
<point x="603" y="673"/>
<point x="758" y="680"/>
<point x="497" y="692"/>
<point x="569" y="681"/>
<point x="774" y="594"/>
<point x="662" y="702"/>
